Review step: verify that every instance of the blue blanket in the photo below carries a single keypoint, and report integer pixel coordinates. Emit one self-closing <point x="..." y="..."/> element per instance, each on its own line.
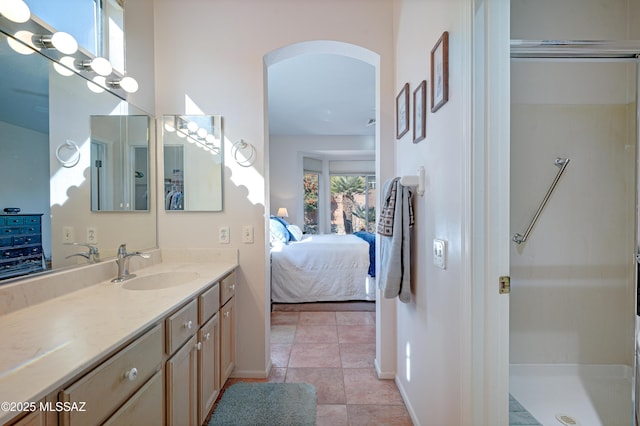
<point x="371" y="239"/>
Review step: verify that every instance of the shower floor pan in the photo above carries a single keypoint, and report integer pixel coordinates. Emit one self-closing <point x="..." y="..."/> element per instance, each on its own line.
<point x="592" y="395"/>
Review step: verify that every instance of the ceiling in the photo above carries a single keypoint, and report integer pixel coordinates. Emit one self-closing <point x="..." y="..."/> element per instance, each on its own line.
<point x="321" y="94"/>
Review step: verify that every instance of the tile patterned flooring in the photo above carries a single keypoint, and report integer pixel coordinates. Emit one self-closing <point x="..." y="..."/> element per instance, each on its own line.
<point x="335" y="351"/>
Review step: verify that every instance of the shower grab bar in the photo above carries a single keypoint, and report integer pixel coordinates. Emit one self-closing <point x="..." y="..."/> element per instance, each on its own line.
<point x="559" y="162"/>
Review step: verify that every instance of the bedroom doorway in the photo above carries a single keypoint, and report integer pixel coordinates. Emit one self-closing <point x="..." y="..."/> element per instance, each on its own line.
<point x="288" y="143"/>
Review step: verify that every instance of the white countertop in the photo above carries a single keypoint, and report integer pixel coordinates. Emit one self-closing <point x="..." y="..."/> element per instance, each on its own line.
<point x="44" y="346"/>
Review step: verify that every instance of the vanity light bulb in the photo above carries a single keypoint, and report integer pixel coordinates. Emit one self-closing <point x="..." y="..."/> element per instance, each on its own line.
<point x="64" y="66"/>
<point x="64" y="42"/>
<point x="192" y="126"/>
<point x="181" y="133"/>
<point x="101" y="66"/>
<point x="169" y="127"/>
<point x="97" y="84"/>
<point x="202" y="132"/>
<point x="26" y="38"/>
<point x="129" y="84"/>
<point x="15" y="10"/>
<point x="210" y="139"/>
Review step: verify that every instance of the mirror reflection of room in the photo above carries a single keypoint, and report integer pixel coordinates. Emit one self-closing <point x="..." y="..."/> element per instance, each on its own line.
<point x="46" y="135"/>
<point x="192" y="162"/>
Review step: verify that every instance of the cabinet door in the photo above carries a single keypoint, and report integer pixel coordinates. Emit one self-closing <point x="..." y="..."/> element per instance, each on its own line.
<point x="208" y="366"/>
<point x="144" y="407"/>
<point x="182" y="386"/>
<point x="40" y="418"/>
<point x="227" y="339"/>
<point x="36" y="418"/>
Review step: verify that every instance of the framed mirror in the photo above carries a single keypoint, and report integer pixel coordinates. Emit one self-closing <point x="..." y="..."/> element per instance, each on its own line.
<point x="193" y="162"/>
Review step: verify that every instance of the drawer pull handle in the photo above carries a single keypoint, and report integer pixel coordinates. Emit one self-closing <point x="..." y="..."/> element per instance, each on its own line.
<point x="199" y="346"/>
<point x="226" y="314"/>
<point x="232" y="287"/>
<point x="188" y="324"/>
<point x="132" y="374"/>
<point x="207" y="336"/>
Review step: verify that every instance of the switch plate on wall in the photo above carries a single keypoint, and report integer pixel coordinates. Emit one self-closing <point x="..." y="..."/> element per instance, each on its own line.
<point x="247" y="234"/>
<point x="223" y="235"/>
<point x="440" y="253"/>
<point x="68" y="234"/>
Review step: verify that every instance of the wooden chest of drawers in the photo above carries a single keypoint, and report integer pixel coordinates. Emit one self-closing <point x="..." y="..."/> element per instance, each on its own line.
<point x="20" y="244"/>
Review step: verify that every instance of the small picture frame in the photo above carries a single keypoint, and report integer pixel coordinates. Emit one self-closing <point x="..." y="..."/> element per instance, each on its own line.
<point x="440" y="72"/>
<point x="420" y="112"/>
<point x="402" y="111"/>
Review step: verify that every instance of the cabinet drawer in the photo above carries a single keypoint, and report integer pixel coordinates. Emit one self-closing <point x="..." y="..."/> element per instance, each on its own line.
<point x="227" y="287"/>
<point x="181" y="325"/>
<point x="14" y="220"/>
<point x="114" y="381"/>
<point x="31" y="220"/>
<point x="143" y="408"/>
<point x="209" y="303"/>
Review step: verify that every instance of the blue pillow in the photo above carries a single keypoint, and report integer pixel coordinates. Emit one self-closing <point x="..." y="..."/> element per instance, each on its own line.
<point x="278" y="232"/>
<point x="287" y="234"/>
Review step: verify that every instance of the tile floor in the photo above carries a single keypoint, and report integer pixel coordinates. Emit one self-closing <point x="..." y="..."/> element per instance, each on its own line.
<point x="335" y="351"/>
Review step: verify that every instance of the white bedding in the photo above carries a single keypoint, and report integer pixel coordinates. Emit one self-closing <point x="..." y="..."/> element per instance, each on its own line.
<point x="321" y="268"/>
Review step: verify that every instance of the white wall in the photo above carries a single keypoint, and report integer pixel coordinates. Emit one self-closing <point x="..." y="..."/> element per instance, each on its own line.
<point x="209" y="59"/>
<point x="285" y="170"/>
<point x="25" y="158"/>
<point x="431" y="350"/>
<point x="572" y="19"/>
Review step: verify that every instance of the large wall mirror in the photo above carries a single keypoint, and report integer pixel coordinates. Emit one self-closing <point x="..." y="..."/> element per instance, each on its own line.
<point x="193" y="161"/>
<point x="48" y="125"/>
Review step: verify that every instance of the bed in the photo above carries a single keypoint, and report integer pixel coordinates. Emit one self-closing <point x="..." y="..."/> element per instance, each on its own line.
<point x="321" y="268"/>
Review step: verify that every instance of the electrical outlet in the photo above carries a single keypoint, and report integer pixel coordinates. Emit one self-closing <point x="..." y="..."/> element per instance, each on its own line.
<point x="92" y="235"/>
<point x="223" y="235"/>
<point x="68" y="234"/>
<point x="247" y="234"/>
<point x="440" y="253"/>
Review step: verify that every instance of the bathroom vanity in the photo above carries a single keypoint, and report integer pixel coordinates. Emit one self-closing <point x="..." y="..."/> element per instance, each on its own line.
<point x="155" y="349"/>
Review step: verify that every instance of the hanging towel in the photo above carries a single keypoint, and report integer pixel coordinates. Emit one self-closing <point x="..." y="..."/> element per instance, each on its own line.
<point x="395" y="238"/>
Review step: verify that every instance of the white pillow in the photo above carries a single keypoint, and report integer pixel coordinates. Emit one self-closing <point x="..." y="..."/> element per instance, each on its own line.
<point x="295" y="231"/>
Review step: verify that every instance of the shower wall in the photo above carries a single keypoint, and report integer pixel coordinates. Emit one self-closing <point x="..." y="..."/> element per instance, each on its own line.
<point x="572" y="297"/>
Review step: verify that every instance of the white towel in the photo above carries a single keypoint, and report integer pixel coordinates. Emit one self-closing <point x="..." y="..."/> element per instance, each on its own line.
<point x="395" y="250"/>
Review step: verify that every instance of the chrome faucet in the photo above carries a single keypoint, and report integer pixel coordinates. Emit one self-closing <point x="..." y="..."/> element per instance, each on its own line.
<point x="92" y="255"/>
<point x="122" y="260"/>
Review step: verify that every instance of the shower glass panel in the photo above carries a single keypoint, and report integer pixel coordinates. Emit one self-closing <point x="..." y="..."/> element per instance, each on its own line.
<point x="573" y="290"/>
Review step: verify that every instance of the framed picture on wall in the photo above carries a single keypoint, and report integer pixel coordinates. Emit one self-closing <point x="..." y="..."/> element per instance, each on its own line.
<point x="440" y="72"/>
<point x="402" y="111"/>
<point x="420" y="112"/>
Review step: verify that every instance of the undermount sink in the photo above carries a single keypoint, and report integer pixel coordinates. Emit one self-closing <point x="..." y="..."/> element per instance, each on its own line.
<point x="160" y="280"/>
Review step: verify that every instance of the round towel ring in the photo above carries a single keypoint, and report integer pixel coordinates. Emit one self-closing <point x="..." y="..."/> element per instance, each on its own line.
<point x="241" y="147"/>
<point x="73" y="159"/>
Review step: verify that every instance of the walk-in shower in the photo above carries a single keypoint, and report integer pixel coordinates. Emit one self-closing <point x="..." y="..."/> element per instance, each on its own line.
<point x="573" y="271"/>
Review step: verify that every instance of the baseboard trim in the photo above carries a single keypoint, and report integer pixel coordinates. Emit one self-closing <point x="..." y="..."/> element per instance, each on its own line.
<point x="386" y="375"/>
<point x="251" y="374"/>
<point x="407" y="404"/>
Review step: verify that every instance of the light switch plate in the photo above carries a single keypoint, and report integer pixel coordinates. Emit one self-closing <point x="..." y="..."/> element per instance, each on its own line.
<point x="223" y="235"/>
<point x="440" y="253"/>
<point x="68" y="234"/>
<point x="247" y="234"/>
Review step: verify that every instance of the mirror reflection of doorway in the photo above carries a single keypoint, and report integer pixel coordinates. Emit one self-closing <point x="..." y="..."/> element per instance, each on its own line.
<point x="99" y="195"/>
